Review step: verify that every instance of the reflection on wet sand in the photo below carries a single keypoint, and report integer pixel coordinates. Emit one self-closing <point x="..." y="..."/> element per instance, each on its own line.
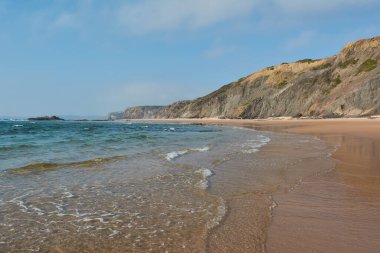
<point x="336" y="211"/>
<point x="249" y="186"/>
<point x="360" y="164"/>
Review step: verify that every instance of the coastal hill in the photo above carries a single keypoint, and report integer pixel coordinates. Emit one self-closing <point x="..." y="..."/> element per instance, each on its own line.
<point x="343" y="85"/>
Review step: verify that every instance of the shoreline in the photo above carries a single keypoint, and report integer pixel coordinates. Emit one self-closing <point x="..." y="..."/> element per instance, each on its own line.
<point x="329" y="212"/>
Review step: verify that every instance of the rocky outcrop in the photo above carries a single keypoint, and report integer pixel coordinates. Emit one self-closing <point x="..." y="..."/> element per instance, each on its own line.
<point x="344" y="85"/>
<point x="142" y="112"/>
<point x="115" y="115"/>
<point x="46" y="118"/>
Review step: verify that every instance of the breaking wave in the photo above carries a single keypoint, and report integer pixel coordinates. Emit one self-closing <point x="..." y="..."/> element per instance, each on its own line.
<point x="175" y="154"/>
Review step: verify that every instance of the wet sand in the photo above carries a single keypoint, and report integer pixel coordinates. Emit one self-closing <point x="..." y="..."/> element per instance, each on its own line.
<point x="334" y="210"/>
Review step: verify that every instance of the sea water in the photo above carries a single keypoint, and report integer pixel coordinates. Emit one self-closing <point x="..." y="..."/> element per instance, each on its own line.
<point x="113" y="186"/>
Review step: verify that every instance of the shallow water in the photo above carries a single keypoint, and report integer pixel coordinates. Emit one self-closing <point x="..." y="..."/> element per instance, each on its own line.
<point x="335" y="211"/>
<point x="250" y="186"/>
<point x="114" y="187"/>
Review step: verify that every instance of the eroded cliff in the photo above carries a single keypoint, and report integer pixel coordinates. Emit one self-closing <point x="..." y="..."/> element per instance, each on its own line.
<point x="347" y="84"/>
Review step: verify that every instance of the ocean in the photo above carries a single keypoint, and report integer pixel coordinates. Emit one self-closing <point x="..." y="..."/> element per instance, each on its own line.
<point x="115" y="186"/>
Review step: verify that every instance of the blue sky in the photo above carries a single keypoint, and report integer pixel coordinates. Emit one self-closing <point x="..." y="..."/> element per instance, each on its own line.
<point x="84" y="57"/>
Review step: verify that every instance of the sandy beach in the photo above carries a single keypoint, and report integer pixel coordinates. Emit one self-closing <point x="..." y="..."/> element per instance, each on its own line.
<point x="190" y="126"/>
<point x="333" y="210"/>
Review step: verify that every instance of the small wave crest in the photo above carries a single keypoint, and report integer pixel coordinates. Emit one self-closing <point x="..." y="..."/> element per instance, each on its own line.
<point x="221" y="212"/>
<point x="204" y="149"/>
<point x="175" y="154"/>
<point x="253" y="145"/>
<point x="172" y="155"/>
<point x="205" y="174"/>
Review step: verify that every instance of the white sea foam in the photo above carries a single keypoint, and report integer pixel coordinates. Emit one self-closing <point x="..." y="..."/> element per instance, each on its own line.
<point x="204" y="149"/>
<point x="37" y="210"/>
<point x="68" y="194"/>
<point x="114" y="232"/>
<point x="172" y="155"/>
<point x="19" y="203"/>
<point x="18" y="125"/>
<point x="19" y="120"/>
<point x="253" y="145"/>
<point x="330" y="154"/>
<point x="107" y="215"/>
<point x="24" y="208"/>
<point x="101" y="220"/>
<point x="273" y="206"/>
<point x="221" y="212"/>
<point x="205" y="174"/>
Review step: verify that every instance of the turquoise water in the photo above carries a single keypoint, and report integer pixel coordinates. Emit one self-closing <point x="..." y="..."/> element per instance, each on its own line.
<point x="113" y="186"/>
<point x="25" y="143"/>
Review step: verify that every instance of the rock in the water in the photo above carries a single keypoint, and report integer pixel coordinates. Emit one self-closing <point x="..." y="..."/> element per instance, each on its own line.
<point x="46" y="118"/>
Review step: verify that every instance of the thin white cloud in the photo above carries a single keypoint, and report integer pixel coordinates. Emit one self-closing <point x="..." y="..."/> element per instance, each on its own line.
<point x="278" y="15"/>
<point x="303" y="39"/>
<point x="65" y="20"/>
<point x="3" y="8"/>
<point x="157" y="16"/>
<point x="165" y="15"/>
<point x="58" y="15"/>
<point x="313" y="6"/>
<point x="218" y="51"/>
<point x="147" y="16"/>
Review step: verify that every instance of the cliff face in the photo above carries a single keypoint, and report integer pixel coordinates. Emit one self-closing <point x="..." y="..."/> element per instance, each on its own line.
<point x="347" y="84"/>
<point x="142" y="112"/>
<point x="115" y="115"/>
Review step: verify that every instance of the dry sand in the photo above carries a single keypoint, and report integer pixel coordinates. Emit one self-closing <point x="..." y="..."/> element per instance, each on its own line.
<point x="336" y="211"/>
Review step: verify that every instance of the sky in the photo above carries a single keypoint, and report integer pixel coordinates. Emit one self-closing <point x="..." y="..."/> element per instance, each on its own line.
<point x="92" y="57"/>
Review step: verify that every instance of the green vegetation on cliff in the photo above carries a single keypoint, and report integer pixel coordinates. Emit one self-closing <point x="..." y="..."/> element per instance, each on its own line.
<point x="281" y="84"/>
<point x="306" y="61"/>
<point x="348" y="62"/>
<point x="331" y="85"/>
<point x="367" y="66"/>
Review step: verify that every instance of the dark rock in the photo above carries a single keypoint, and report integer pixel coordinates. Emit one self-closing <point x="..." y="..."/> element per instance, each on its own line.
<point x="46" y="118"/>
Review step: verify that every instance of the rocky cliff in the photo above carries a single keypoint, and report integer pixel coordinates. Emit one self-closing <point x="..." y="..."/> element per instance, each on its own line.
<point x="115" y="115"/>
<point x="142" y="112"/>
<point x="347" y="84"/>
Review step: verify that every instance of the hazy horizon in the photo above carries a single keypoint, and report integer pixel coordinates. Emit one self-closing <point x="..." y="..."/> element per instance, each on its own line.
<point x="66" y="117"/>
<point x="91" y="57"/>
